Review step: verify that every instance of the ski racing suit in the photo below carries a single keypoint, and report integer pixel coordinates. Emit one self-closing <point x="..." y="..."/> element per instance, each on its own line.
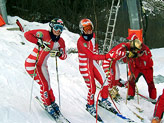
<point x="142" y="65"/>
<point x="89" y="68"/>
<point x="111" y="67"/>
<point x="41" y="70"/>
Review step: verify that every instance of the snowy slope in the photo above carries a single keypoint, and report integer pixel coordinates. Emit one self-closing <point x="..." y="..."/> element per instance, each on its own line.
<point x="15" y="83"/>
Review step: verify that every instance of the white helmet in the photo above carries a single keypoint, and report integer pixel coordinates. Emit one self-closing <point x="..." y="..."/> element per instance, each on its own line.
<point x="84" y="23"/>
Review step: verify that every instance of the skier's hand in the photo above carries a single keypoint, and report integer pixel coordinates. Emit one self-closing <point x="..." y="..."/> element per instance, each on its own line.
<point x="131" y="54"/>
<point x="141" y="53"/>
<point x="54" y="53"/>
<point x="43" y="45"/>
<point x="108" y="57"/>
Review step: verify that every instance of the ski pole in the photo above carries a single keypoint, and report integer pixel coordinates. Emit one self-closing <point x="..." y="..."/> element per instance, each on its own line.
<point x="34" y="77"/>
<point x="135" y="83"/>
<point x="114" y="103"/>
<point x="38" y="35"/>
<point x="128" y="83"/>
<point x="58" y="80"/>
<point x="101" y="89"/>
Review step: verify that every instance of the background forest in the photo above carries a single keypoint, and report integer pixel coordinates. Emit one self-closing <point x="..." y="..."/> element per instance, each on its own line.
<point x="72" y="11"/>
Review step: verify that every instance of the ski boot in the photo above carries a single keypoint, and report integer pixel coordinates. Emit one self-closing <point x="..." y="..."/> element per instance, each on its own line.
<point x="130" y="97"/>
<point x="91" y="109"/>
<point x="51" y="111"/>
<point x="107" y="105"/>
<point x="115" y="94"/>
<point x="55" y="107"/>
<point x="153" y="101"/>
<point x="156" y="120"/>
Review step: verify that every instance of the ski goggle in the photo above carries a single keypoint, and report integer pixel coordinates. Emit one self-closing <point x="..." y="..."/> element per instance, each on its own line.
<point x="57" y="27"/>
<point x="87" y="28"/>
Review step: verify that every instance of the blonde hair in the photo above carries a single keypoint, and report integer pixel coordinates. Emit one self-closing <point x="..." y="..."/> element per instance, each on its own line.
<point x="136" y="43"/>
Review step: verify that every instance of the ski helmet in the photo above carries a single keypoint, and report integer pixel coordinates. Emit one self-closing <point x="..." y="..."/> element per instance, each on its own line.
<point x="85" y="25"/>
<point x="57" y="24"/>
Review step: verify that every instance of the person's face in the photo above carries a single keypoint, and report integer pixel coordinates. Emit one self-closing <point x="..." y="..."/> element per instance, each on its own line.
<point x="88" y="29"/>
<point x="57" y="29"/>
<point x="57" y="33"/>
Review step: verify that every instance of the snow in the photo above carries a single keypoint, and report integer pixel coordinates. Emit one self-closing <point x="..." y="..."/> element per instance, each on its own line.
<point x="15" y="83"/>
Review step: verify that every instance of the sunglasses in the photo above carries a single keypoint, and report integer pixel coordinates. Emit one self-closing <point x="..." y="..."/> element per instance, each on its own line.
<point x="57" y="27"/>
<point x="87" y="28"/>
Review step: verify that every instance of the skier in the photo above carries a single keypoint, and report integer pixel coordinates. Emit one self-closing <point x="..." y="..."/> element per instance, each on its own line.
<point x="89" y="68"/>
<point x="159" y="109"/>
<point x="121" y="51"/>
<point x="141" y="64"/>
<point x="48" y="43"/>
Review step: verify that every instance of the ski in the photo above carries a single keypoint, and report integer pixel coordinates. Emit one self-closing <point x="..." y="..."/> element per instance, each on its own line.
<point x="98" y="117"/>
<point x="137" y="106"/>
<point x="132" y="109"/>
<point x="60" y="119"/>
<point x="112" y="110"/>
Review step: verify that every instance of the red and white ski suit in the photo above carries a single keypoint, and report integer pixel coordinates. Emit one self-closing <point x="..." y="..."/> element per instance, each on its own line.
<point x="142" y="65"/>
<point x="111" y="67"/>
<point x="89" y="68"/>
<point x="159" y="107"/>
<point x="42" y="75"/>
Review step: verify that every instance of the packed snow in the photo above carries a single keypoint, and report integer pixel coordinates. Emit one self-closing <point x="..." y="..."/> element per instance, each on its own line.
<point x="16" y="84"/>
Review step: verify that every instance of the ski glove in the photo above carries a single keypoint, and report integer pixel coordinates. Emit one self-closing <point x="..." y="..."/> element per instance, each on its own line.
<point x="43" y="45"/>
<point x="131" y="54"/>
<point x="54" y="53"/>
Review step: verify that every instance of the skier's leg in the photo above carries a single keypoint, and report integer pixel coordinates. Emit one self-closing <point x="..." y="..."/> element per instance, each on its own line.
<point x="87" y="74"/>
<point x="99" y="74"/>
<point x="109" y="72"/>
<point x="148" y="75"/>
<point x="41" y="75"/>
<point x="132" y="81"/>
<point x="30" y="62"/>
<point x="159" y="109"/>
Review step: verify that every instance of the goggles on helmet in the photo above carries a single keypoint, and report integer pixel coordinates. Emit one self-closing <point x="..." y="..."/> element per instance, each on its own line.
<point x="87" y="28"/>
<point x="57" y="27"/>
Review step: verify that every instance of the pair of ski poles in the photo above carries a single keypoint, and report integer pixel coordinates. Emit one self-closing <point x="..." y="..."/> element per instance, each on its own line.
<point x="37" y="58"/>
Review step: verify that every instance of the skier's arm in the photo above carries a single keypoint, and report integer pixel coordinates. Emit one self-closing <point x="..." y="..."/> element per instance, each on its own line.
<point x="62" y="50"/>
<point x="146" y="54"/>
<point x="31" y="36"/>
<point x="119" y="53"/>
<point x="90" y="54"/>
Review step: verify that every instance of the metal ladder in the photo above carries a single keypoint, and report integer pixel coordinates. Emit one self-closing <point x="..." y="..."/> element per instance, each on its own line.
<point x="111" y="25"/>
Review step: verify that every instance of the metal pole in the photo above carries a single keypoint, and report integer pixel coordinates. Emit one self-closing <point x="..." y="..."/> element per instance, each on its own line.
<point x="3" y="11"/>
<point x="134" y="17"/>
<point x="34" y="77"/>
<point x="57" y="74"/>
